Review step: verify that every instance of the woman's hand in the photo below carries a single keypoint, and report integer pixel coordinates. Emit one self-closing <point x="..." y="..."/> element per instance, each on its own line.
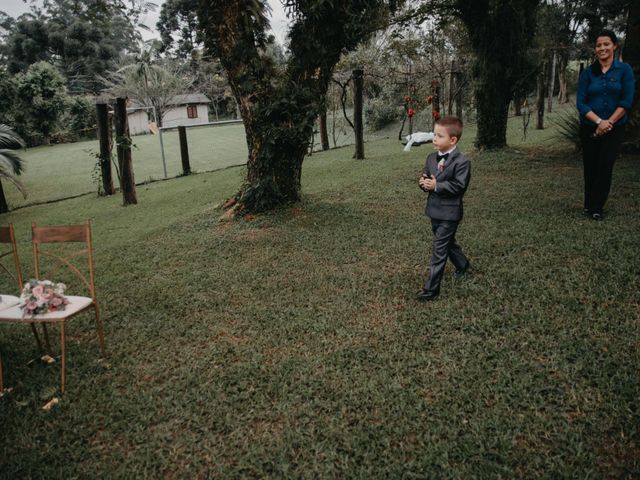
<point x="605" y="126"/>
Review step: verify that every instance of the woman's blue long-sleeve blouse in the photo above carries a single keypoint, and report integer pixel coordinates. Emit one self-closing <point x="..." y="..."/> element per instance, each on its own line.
<point x="605" y="92"/>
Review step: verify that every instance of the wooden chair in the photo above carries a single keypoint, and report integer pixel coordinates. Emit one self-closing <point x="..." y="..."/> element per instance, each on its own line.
<point x="43" y="236"/>
<point x="8" y="238"/>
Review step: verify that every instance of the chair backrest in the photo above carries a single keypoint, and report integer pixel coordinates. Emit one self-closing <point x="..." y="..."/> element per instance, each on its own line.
<point x="64" y="234"/>
<point x="7" y="236"/>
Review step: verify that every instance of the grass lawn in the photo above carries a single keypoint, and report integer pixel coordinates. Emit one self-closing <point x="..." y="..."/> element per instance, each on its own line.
<point x="62" y="171"/>
<point x="69" y="167"/>
<point x="290" y="345"/>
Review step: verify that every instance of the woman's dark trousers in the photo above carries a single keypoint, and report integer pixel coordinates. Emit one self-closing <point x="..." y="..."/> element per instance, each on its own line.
<point x="598" y="156"/>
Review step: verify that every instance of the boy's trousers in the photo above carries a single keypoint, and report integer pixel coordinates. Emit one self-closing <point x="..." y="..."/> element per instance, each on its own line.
<point x="444" y="247"/>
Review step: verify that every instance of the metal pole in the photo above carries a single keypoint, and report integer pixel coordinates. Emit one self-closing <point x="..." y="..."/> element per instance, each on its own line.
<point x="164" y="161"/>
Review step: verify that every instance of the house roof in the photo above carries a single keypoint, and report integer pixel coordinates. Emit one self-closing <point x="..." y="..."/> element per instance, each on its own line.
<point x="186" y="99"/>
<point x="189" y="98"/>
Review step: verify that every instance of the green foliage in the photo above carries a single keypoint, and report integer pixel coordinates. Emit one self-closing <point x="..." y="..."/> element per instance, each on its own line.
<point x="42" y="98"/>
<point x="381" y="112"/>
<point x="83" y="39"/>
<point x="11" y="165"/>
<point x="567" y="127"/>
<point x="177" y="26"/>
<point x="8" y="90"/>
<point x="82" y="116"/>
<point x="500" y="32"/>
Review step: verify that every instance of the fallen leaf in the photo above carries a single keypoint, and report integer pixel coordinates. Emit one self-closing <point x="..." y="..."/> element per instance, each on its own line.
<point x="6" y="391"/>
<point x="47" y="359"/>
<point x="50" y="404"/>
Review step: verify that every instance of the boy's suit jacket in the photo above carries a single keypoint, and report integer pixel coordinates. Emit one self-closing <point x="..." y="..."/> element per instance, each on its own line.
<point x="446" y="202"/>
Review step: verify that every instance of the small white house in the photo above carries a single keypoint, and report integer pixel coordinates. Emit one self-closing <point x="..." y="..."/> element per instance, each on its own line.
<point x="188" y="109"/>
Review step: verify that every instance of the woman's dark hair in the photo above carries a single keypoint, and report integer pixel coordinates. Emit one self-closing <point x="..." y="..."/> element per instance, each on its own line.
<point x="607" y="33"/>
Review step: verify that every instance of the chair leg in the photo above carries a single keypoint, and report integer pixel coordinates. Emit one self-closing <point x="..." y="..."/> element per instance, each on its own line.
<point x="46" y="339"/>
<point x="1" y="380"/>
<point x="35" y="334"/>
<point x="99" y="327"/>
<point x="63" y="357"/>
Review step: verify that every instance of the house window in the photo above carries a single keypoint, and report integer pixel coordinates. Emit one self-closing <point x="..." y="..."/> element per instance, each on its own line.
<point x="192" y="111"/>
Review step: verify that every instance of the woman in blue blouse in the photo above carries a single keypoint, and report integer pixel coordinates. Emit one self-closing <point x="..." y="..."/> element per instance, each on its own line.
<point x="605" y="94"/>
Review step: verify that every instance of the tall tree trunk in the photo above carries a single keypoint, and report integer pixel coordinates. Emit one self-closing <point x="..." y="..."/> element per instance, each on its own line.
<point x="279" y="106"/>
<point x="632" y="57"/>
<point x="510" y="24"/>
<point x="357" y="113"/>
<point x="123" y="142"/>
<point x="452" y="82"/>
<point x="105" y="141"/>
<point x="4" y="207"/>
<point x="542" y="93"/>
<point x="517" y="105"/>
<point x="552" y="81"/>
<point x="324" y="135"/>
<point x="459" y="95"/>
<point x="562" y="79"/>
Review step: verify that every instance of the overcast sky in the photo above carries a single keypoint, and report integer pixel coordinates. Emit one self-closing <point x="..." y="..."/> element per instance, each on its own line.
<point x="278" y="20"/>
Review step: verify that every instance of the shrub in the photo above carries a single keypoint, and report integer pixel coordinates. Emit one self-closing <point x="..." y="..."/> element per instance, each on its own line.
<point x="380" y="113"/>
<point x="568" y="127"/>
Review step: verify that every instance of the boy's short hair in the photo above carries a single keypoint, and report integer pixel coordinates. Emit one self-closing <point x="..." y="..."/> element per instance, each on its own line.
<point x="452" y="124"/>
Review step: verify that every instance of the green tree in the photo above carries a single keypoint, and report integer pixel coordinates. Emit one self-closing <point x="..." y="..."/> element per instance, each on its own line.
<point x="500" y="32"/>
<point x="8" y="90"/>
<point x="11" y="165"/>
<point x="42" y="98"/>
<point x="279" y="104"/>
<point x="179" y="17"/>
<point x="83" y="39"/>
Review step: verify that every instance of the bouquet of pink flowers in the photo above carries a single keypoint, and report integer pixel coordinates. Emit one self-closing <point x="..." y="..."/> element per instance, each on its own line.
<point x="42" y="296"/>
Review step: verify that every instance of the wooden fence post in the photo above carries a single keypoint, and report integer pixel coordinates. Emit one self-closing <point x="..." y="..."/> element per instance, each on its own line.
<point x="324" y="135"/>
<point x="105" y="140"/>
<point x="357" y="113"/>
<point x="184" y="150"/>
<point x="123" y="143"/>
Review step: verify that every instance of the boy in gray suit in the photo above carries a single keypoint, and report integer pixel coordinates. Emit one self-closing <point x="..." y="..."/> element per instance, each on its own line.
<point x="445" y="177"/>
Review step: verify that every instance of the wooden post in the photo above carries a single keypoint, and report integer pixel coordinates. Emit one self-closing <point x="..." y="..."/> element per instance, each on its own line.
<point x="459" y="95"/>
<point x="324" y="136"/>
<point x="452" y="86"/>
<point x="184" y="150"/>
<point x="357" y="113"/>
<point x="123" y="143"/>
<point x="106" y="141"/>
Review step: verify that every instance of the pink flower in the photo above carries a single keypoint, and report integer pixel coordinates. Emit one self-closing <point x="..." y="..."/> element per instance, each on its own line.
<point x="56" y="301"/>
<point x="32" y="306"/>
<point x="38" y="290"/>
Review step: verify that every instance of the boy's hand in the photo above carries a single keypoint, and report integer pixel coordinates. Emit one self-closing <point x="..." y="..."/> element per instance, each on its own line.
<point x="429" y="183"/>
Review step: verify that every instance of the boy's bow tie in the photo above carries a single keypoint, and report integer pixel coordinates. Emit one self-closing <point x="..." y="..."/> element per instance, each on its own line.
<point x="443" y="157"/>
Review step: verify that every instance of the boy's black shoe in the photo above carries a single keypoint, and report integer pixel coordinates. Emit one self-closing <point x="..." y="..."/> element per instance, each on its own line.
<point x="587" y="212"/>
<point x="598" y="217"/>
<point x="462" y="272"/>
<point x="426" y="295"/>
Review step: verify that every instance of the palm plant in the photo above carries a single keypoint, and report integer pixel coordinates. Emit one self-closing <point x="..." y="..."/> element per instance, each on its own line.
<point x="11" y="165"/>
